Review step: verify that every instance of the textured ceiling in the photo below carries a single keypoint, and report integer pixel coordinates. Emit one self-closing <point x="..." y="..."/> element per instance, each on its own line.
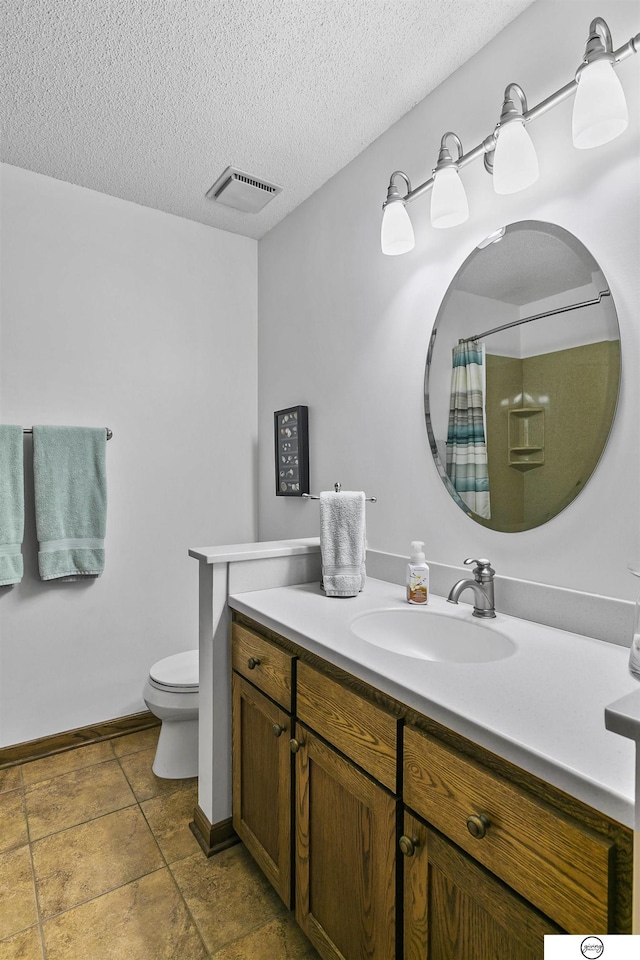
<point x="149" y="100"/>
<point x="529" y="265"/>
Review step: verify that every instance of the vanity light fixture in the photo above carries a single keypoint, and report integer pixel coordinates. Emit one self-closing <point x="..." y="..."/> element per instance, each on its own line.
<point x="600" y="114"/>
<point x="449" y="205"/>
<point x="514" y="161"/>
<point x="599" y="109"/>
<point x="396" y="234"/>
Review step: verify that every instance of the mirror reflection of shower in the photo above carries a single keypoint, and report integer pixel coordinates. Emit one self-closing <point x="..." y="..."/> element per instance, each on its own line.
<point x="538" y="311"/>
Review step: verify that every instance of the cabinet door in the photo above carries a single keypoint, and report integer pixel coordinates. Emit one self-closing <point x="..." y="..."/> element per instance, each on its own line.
<point x="262" y="793"/>
<point x="553" y="861"/>
<point x="454" y="909"/>
<point x="346" y="828"/>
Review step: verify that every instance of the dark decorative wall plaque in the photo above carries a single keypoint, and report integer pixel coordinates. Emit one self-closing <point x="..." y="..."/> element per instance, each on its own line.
<point x="292" y="451"/>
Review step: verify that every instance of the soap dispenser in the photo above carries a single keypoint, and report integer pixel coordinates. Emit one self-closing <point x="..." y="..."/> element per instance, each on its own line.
<point x="417" y="575"/>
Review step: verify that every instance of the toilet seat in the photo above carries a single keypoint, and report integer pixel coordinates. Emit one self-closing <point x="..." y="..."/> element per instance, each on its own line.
<point x="176" y="674"/>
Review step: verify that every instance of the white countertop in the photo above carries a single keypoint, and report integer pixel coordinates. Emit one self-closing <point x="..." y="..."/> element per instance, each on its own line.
<point x="235" y="552"/>
<point x="541" y="708"/>
<point x="623" y="716"/>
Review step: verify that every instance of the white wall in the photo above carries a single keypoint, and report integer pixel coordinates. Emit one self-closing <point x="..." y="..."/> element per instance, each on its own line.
<point x="345" y="330"/>
<point x="117" y="315"/>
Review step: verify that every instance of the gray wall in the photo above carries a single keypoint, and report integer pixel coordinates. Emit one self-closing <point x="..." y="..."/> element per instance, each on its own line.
<point x="117" y="315"/>
<point x="345" y="330"/>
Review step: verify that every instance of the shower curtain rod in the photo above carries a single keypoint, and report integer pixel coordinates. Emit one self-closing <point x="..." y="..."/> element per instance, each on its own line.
<point x="538" y="316"/>
<point x="30" y="430"/>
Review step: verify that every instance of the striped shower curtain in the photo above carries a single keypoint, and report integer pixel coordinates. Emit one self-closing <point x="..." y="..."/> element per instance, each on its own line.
<point x="467" y="464"/>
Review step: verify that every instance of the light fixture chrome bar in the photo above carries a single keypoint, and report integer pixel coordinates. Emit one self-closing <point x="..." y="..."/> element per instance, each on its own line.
<point x="488" y="144"/>
<point x="538" y="316"/>
<point x="545" y="105"/>
<point x="630" y="47"/>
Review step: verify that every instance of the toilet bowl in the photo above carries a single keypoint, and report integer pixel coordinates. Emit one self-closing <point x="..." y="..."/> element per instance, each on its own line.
<point x="171" y="694"/>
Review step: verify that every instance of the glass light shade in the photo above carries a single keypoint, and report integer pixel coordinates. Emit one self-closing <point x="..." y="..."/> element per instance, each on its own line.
<point x="515" y="163"/>
<point x="449" y="205"/>
<point x="599" y="109"/>
<point x="396" y="234"/>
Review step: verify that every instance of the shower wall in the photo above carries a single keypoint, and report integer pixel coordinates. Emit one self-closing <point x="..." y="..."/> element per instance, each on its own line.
<point x="576" y="390"/>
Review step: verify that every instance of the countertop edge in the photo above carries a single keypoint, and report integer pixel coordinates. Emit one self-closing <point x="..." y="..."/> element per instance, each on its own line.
<point x="623" y="716"/>
<point x="234" y="552"/>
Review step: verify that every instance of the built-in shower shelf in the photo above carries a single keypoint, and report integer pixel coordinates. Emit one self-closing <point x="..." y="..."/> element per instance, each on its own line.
<point x="526" y="437"/>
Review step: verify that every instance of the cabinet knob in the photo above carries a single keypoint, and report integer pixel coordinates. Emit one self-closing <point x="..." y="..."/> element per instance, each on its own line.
<point x="278" y="729"/>
<point x="408" y="845"/>
<point x="253" y="662"/>
<point x="295" y="745"/>
<point x="477" y="825"/>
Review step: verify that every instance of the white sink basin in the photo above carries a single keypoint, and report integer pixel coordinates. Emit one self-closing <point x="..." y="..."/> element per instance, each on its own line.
<point x="426" y="635"/>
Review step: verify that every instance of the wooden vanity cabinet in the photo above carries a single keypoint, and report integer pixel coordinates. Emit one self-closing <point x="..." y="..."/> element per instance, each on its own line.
<point x="344" y="751"/>
<point x="454" y="909"/>
<point x="494" y="858"/>
<point x="261" y="756"/>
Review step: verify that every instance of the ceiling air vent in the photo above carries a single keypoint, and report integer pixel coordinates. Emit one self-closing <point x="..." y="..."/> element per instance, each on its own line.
<point x="242" y="191"/>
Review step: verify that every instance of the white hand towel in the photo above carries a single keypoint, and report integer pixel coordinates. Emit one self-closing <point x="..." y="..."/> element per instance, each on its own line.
<point x="343" y="542"/>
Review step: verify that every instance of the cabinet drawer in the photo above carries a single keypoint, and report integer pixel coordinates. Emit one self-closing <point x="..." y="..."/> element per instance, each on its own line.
<point x="551" y="860"/>
<point x="364" y="732"/>
<point x="264" y="664"/>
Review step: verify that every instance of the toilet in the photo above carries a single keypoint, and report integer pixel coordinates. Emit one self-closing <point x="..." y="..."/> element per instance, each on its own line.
<point x="171" y="694"/>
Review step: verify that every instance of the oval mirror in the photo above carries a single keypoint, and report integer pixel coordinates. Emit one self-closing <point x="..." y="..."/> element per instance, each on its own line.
<point x="522" y="376"/>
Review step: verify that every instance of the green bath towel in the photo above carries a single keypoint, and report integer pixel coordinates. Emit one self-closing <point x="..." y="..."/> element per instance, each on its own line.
<point x="69" y="472"/>
<point x="11" y="503"/>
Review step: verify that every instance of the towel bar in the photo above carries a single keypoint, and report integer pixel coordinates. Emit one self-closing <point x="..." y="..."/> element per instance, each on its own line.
<point x="30" y="430"/>
<point x="337" y="487"/>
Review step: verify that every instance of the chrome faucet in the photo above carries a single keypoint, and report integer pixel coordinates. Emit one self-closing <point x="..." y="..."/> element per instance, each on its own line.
<point x="482" y="586"/>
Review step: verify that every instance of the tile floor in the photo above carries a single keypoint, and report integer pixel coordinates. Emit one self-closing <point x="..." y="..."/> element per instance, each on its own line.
<point x="97" y="862"/>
